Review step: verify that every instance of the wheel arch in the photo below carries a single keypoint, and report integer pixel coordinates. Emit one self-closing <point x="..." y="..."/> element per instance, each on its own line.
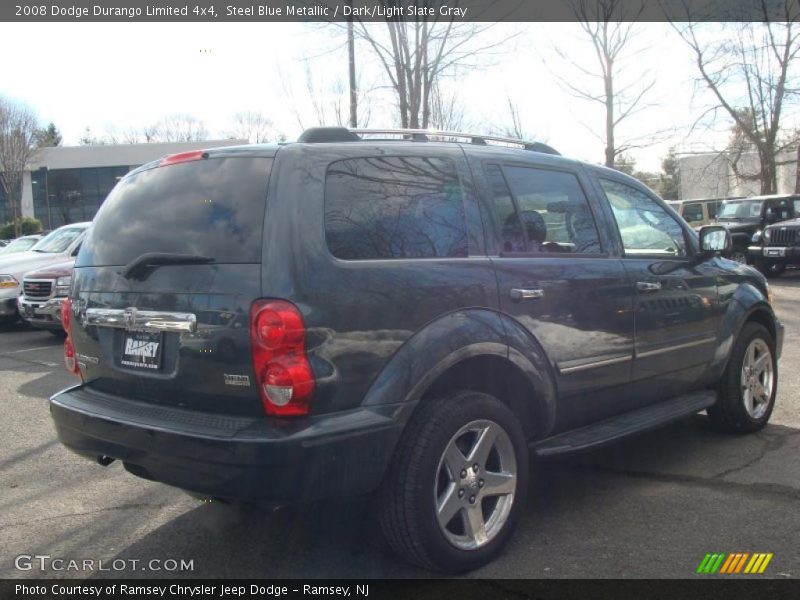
<point x="469" y="350"/>
<point x="749" y="304"/>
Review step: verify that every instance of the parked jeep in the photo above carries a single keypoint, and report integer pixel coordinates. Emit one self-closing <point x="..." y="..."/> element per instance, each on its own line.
<point x="776" y="247"/>
<point x="420" y="316"/>
<point x="745" y="217"/>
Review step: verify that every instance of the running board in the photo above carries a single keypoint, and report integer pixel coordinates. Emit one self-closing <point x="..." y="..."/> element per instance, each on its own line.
<point x="615" y="428"/>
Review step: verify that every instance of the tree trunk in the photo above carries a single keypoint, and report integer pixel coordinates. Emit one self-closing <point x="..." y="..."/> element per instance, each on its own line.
<point x="769" y="174"/>
<point x="797" y="171"/>
<point x="610" y="149"/>
<point x="351" y="55"/>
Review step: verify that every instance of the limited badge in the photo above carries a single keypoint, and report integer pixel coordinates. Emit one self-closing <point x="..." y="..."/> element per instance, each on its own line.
<point x="238" y="380"/>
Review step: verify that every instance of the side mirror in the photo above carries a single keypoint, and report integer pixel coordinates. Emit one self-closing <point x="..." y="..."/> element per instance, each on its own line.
<point x="715" y="239"/>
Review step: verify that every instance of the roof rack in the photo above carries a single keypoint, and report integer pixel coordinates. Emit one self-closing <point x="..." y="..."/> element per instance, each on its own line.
<point x="343" y="134"/>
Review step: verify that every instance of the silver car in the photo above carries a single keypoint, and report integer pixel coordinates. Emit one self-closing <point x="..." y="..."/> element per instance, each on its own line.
<point x="56" y="247"/>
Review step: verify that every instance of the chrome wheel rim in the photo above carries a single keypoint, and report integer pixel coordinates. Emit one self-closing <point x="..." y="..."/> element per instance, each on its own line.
<point x="758" y="378"/>
<point x="475" y="484"/>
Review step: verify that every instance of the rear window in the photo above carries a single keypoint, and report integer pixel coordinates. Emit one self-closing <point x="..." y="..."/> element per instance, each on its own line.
<point x="394" y="207"/>
<point x="212" y="207"/>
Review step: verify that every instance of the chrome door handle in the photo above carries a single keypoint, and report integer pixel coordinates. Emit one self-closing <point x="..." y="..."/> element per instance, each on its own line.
<point x="648" y="286"/>
<point x="522" y="294"/>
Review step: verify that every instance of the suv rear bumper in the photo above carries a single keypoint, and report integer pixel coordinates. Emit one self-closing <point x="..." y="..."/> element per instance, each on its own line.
<point x="242" y="458"/>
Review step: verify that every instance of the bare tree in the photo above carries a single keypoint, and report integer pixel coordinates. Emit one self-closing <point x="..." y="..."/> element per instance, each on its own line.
<point x="252" y="126"/>
<point x="610" y="27"/>
<point x="18" y="137"/>
<point x="179" y="127"/>
<point x="514" y="127"/>
<point x="325" y="101"/>
<point x="416" y="54"/>
<point x="750" y="71"/>
<point x="447" y="110"/>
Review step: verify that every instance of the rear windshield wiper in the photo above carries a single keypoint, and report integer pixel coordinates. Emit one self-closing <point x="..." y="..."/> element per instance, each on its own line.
<point x="141" y="266"/>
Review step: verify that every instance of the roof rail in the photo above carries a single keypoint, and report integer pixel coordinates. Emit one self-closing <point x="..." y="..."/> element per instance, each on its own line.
<point x="342" y="134"/>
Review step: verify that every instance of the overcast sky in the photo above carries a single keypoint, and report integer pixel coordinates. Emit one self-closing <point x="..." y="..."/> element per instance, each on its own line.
<point x="117" y="76"/>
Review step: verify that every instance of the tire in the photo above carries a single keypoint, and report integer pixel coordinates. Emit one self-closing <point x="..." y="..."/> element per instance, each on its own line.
<point x="747" y="397"/>
<point x="739" y="254"/>
<point x="421" y="477"/>
<point x="771" y="269"/>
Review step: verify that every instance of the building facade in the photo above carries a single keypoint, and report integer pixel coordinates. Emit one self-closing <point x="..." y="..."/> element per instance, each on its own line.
<point x="712" y="175"/>
<point x="67" y="184"/>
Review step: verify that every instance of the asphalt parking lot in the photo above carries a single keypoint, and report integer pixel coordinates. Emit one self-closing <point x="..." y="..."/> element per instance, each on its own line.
<point x="652" y="506"/>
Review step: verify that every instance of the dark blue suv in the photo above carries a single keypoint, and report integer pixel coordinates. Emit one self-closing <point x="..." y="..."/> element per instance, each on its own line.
<point x="371" y="311"/>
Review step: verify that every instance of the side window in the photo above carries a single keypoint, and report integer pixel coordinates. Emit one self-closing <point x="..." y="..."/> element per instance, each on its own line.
<point x="711" y="207"/>
<point x="548" y="211"/>
<point x="394" y="207"/>
<point x="644" y="226"/>
<point x="796" y="207"/>
<point x="693" y="212"/>
<point x="779" y="209"/>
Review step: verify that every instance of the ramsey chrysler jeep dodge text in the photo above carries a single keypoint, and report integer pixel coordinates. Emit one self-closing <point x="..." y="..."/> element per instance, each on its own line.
<point x="353" y="313"/>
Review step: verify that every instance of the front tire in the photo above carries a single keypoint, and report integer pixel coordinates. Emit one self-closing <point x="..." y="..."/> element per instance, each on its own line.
<point x="739" y="254"/>
<point x="457" y="484"/>
<point x="748" y="387"/>
<point x="771" y="269"/>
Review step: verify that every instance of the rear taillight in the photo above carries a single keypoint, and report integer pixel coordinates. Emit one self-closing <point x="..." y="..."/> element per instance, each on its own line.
<point x="278" y="337"/>
<point x="69" y="350"/>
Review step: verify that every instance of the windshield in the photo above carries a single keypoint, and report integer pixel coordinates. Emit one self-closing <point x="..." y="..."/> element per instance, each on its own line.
<point x="59" y="240"/>
<point x="742" y="209"/>
<point x="18" y="246"/>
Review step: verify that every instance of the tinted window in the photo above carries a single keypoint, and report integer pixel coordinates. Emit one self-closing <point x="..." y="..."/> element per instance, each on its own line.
<point x="779" y="210"/>
<point x="712" y="207"/>
<point x="553" y="209"/>
<point x="212" y="207"/>
<point x="394" y="207"/>
<point x="644" y="226"/>
<point x="693" y="212"/>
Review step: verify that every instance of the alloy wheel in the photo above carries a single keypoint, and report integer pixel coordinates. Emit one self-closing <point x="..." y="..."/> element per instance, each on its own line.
<point x="475" y="485"/>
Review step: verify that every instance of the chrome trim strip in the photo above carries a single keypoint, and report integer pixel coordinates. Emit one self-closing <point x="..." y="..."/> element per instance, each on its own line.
<point x="708" y="340"/>
<point x="593" y="365"/>
<point x="133" y="319"/>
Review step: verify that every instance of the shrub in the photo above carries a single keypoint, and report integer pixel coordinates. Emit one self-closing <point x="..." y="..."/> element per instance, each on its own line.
<point x="27" y="226"/>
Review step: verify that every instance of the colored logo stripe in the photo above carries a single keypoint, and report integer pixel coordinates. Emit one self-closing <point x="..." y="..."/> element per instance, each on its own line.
<point x="734" y="563"/>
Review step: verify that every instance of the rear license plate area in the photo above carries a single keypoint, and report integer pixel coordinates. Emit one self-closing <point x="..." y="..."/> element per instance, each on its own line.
<point x="142" y="350"/>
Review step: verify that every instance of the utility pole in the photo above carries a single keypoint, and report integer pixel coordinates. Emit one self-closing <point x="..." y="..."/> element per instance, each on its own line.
<point x="351" y="55"/>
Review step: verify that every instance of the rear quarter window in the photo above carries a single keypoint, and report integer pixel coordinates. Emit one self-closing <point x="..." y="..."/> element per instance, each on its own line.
<point x="212" y="207"/>
<point x="394" y="207"/>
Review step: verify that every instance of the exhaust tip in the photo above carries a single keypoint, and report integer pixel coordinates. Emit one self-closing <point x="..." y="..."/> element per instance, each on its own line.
<point x="105" y="460"/>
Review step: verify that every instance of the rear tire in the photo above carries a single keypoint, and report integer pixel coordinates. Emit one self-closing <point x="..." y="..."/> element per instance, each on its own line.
<point x="748" y="387"/>
<point x="457" y="484"/>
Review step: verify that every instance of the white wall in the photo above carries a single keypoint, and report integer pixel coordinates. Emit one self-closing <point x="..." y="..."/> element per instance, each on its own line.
<point x="712" y="175"/>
